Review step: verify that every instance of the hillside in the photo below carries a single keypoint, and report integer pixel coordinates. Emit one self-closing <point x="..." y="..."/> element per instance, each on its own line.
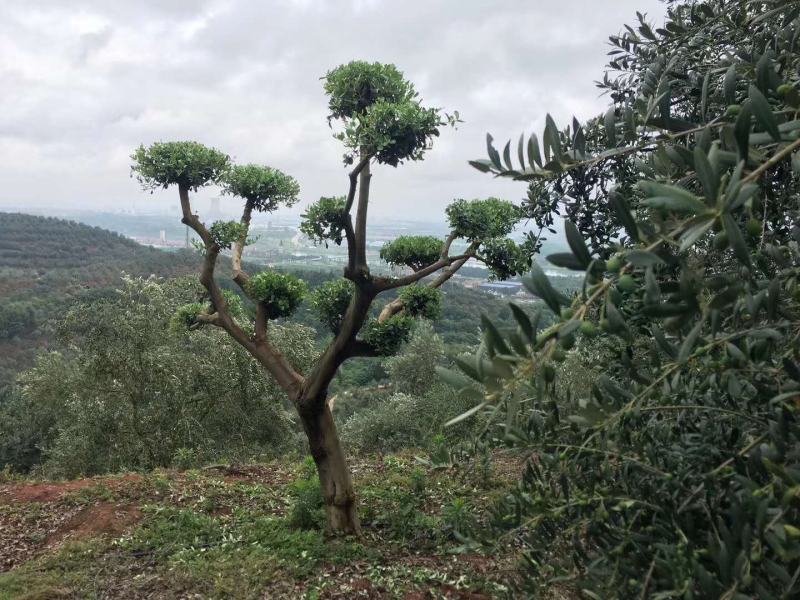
<point x="47" y="263"/>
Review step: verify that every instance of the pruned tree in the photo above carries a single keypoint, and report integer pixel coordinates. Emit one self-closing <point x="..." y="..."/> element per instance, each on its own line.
<point x="382" y="122"/>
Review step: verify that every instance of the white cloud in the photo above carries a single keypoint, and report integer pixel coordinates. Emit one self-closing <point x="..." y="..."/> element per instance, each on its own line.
<point x="87" y="81"/>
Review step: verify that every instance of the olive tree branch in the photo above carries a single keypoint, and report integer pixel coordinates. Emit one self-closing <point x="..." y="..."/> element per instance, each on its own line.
<point x="272" y="359"/>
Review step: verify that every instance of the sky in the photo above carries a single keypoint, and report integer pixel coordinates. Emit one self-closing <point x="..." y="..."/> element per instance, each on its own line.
<point x="84" y="82"/>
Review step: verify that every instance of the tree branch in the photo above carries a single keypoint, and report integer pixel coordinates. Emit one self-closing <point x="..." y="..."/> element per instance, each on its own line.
<point x="269" y="357"/>
<point x="361" y="269"/>
<point x="341" y="347"/>
<point x="383" y="284"/>
<point x="260" y="324"/>
<point x="348" y="221"/>
<point x="396" y="305"/>
<point x="239" y="276"/>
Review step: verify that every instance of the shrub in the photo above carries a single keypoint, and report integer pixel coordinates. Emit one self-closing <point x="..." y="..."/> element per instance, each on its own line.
<point x="124" y="392"/>
<point x="413" y="370"/>
<point x="404" y="421"/>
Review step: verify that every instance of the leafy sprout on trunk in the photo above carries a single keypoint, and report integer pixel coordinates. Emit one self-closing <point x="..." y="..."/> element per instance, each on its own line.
<point x="330" y="301"/>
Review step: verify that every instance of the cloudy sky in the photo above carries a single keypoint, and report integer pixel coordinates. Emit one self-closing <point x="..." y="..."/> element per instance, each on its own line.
<point x="83" y="82"/>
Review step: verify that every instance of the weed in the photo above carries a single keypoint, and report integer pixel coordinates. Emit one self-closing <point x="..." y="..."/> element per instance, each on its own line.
<point x="306" y="499"/>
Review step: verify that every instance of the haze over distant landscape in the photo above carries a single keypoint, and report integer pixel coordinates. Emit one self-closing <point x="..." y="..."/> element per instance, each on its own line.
<point x="85" y="82"/>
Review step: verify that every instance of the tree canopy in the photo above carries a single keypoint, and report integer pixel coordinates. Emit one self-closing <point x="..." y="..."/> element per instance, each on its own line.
<point x="674" y="472"/>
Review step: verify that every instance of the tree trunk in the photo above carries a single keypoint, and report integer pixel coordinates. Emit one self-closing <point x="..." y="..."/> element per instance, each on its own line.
<point x="334" y="474"/>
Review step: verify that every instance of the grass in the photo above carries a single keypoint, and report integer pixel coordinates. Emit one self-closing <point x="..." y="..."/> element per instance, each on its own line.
<point x="256" y="534"/>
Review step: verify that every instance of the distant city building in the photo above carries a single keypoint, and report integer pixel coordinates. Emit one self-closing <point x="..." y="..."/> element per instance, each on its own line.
<point x="162" y="236"/>
<point x="502" y="287"/>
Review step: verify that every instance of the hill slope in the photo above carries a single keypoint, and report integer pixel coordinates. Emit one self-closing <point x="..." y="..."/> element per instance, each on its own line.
<point x="47" y="263"/>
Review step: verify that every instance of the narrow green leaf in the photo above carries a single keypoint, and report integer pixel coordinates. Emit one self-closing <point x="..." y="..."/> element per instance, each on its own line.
<point x="610" y="126"/>
<point x="736" y="239"/>
<point x="676" y="204"/>
<point x="451" y="378"/>
<point x="467" y="365"/>
<point x="763" y="113"/>
<point x="566" y="260"/>
<point x="643" y="258"/>
<point x="494" y="339"/>
<point x="524" y="322"/>
<point x="483" y="165"/>
<point x="671" y="197"/>
<point x="465" y="415"/>
<point x="534" y="156"/>
<point x="521" y="150"/>
<point x="493" y="154"/>
<point x="576" y="244"/>
<point x="507" y="156"/>
<point x="615" y="318"/>
<point x="742" y="130"/>
<point x="689" y="342"/>
<point x="695" y="232"/>
<point x="709" y="179"/>
<point x="552" y="140"/>
<point x="539" y="285"/>
<point x="729" y="84"/>
<point x="668" y="349"/>
<point x="652" y="291"/>
<point x="623" y="213"/>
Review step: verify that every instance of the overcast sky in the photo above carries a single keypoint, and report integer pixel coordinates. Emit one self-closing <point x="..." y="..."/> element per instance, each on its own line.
<point x="83" y="82"/>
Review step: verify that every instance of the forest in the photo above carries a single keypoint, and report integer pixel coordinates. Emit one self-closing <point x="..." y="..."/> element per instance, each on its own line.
<point x="188" y="424"/>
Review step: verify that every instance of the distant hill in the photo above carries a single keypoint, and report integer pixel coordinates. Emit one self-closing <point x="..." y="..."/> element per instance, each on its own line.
<point x="48" y="263"/>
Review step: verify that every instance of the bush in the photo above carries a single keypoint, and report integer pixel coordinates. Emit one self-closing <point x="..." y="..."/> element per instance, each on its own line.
<point x="123" y="391"/>
<point x="404" y="421"/>
<point x="413" y="370"/>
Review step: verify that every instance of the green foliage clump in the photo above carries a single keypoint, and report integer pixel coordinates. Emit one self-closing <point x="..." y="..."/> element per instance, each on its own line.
<point x="397" y="132"/>
<point x="422" y="301"/>
<point x="234" y="302"/>
<point x="479" y="220"/>
<point x="330" y="301"/>
<point x="185" y="316"/>
<point x="264" y="188"/>
<point x="325" y="220"/>
<point x="381" y="113"/>
<point x="387" y="337"/>
<point x="505" y="258"/>
<point x="414" y="251"/>
<point x="280" y="293"/>
<point x="357" y="85"/>
<point x="188" y="164"/>
<point x="226" y="233"/>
